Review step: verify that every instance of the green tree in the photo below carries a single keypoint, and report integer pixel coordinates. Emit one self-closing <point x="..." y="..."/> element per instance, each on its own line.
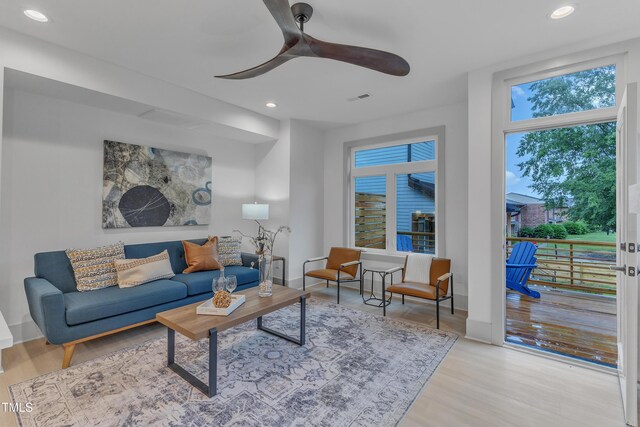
<point x="576" y="163"/>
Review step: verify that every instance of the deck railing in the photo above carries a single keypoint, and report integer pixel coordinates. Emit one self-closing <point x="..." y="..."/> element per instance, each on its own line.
<point x="572" y="264"/>
<point x="422" y="242"/>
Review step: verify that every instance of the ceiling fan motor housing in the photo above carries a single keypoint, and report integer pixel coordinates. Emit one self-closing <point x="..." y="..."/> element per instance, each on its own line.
<point x="302" y="12"/>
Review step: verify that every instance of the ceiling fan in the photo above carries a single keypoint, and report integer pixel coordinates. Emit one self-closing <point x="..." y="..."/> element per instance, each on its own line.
<point x="298" y="43"/>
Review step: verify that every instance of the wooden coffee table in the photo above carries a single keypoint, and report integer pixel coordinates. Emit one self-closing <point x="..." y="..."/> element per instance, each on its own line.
<point x="197" y="327"/>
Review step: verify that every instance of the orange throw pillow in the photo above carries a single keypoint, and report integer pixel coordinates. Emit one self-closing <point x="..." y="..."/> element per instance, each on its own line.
<point x="201" y="258"/>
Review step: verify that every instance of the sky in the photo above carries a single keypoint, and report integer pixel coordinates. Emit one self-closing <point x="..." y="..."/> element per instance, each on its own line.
<point x="515" y="182"/>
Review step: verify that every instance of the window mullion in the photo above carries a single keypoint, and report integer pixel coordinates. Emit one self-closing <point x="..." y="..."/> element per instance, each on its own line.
<point x="391" y="211"/>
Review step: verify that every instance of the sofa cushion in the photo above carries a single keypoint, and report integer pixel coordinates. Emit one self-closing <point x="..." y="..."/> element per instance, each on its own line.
<point x="201" y="257"/>
<point x="201" y="281"/>
<point x="134" y="272"/>
<point x="175" y="249"/>
<point x="94" y="267"/>
<point x="229" y="250"/>
<point x="56" y="268"/>
<point x="82" y="307"/>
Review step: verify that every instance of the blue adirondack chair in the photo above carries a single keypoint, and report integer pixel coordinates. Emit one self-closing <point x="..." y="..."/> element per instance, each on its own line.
<point x="519" y="267"/>
<point x="403" y="243"/>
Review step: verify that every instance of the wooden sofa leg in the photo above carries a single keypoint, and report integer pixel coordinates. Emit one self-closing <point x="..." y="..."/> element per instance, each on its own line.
<point x="68" y="355"/>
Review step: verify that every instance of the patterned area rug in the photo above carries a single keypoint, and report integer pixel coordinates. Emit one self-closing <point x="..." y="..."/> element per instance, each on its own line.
<point x="357" y="369"/>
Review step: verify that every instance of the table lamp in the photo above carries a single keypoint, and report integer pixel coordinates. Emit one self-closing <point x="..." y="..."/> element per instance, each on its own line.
<point x="257" y="211"/>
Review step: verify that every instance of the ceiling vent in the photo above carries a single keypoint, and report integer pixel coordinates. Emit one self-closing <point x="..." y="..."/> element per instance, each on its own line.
<point x="173" y="119"/>
<point x="359" y="97"/>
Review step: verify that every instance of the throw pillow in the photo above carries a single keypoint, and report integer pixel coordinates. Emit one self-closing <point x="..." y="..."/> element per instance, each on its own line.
<point x="230" y="249"/>
<point x="94" y="268"/>
<point x="201" y="258"/>
<point x="134" y="272"/>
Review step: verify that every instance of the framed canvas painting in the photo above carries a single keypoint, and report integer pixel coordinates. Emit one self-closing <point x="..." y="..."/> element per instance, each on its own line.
<point x="152" y="187"/>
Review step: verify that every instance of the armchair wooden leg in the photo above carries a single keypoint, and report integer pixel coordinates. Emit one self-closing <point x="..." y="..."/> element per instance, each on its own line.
<point x="68" y="355"/>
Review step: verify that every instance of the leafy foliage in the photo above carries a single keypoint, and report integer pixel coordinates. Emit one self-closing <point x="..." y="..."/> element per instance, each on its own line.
<point x="526" y="232"/>
<point x="575" y="227"/>
<point x="576" y="164"/>
<point x="543" y="231"/>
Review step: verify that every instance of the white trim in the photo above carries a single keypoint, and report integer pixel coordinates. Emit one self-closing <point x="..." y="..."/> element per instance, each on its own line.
<point x="390" y="172"/>
<point x="25" y="331"/>
<point x="502" y="125"/>
<point x="560" y="358"/>
<point x="478" y="331"/>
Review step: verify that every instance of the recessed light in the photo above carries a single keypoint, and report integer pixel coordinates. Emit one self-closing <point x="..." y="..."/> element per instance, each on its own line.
<point x="563" y="12"/>
<point x="36" y="16"/>
<point x="271" y="104"/>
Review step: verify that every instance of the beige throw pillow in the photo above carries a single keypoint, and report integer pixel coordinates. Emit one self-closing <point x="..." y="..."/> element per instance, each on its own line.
<point x="94" y="268"/>
<point x="134" y="272"/>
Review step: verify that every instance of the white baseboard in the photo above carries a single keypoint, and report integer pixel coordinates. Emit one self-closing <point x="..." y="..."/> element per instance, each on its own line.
<point x="25" y="331"/>
<point x="479" y="331"/>
<point x="297" y="283"/>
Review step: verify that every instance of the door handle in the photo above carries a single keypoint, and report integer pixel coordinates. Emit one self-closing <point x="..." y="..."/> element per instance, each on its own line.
<point x="622" y="269"/>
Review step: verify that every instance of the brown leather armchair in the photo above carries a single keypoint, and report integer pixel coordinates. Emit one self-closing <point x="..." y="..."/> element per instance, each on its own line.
<point x="440" y="281"/>
<point x="342" y="266"/>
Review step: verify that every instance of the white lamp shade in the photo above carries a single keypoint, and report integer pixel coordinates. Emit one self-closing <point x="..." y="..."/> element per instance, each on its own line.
<point x="255" y="211"/>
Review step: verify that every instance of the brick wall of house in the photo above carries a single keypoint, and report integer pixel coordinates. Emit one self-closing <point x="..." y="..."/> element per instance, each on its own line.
<point x="533" y="215"/>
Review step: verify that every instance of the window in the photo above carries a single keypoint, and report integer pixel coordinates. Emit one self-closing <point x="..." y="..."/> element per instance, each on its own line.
<point x="394" y="197"/>
<point x="585" y="90"/>
<point x="405" y="153"/>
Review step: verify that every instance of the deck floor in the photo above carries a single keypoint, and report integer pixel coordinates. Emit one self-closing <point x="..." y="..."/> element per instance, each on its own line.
<point x="577" y="325"/>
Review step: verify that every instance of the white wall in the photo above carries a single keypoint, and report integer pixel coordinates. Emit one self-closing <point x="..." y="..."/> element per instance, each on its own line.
<point x="454" y="118"/>
<point x="272" y="177"/>
<point x="51" y="185"/>
<point x="30" y="55"/>
<point x="306" y="190"/>
<point x="485" y="247"/>
<point x="289" y="176"/>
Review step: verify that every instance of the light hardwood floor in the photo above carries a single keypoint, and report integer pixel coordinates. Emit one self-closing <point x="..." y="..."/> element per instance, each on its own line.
<point x="476" y="385"/>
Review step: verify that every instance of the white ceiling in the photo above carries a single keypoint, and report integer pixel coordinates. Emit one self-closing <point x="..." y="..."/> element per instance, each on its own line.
<point x="187" y="43"/>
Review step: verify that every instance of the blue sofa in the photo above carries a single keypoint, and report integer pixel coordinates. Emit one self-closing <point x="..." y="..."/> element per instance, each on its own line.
<point x="68" y="317"/>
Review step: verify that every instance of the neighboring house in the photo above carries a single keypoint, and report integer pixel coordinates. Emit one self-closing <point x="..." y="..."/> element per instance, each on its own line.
<point x="529" y="211"/>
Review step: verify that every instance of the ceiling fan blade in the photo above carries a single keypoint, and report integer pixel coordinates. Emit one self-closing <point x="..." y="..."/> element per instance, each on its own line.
<point x="258" y="70"/>
<point x="281" y="12"/>
<point x="373" y="59"/>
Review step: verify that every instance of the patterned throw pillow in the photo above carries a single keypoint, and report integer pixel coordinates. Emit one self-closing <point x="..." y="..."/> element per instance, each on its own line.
<point x="229" y="250"/>
<point x="134" y="272"/>
<point x="94" y="268"/>
<point x="201" y="258"/>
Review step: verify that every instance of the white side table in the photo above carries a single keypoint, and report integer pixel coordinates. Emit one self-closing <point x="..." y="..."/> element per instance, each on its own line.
<point x="6" y="339"/>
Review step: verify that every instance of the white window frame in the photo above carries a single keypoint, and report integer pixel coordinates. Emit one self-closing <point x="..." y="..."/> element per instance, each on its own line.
<point x="503" y="126"/>
<point x="390" y="172"/>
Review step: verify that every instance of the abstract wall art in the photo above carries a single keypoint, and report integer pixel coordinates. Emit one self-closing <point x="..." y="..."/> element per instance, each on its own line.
<point x="146" y="187"/>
